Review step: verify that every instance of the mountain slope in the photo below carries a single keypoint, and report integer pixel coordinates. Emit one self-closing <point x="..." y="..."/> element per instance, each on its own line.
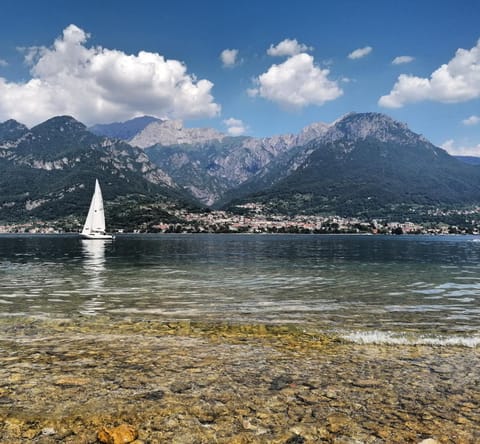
<point x="49" y="172"/>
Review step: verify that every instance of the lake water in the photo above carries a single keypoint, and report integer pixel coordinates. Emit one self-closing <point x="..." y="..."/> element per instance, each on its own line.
<point x="402" y="289"/>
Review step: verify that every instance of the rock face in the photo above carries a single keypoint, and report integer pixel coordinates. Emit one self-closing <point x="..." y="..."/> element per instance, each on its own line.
<point x="172" y="132"/>
<point x="357" y="126"/>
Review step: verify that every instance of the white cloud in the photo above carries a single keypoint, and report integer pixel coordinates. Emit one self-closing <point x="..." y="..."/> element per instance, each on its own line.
<point x="401" y="60"/>
<point x="360" y="52"/>
<point x="229" y="57"/>
<point x="296" y="83"/>
<point x="3" y="63"/>
<point x="456" y="81"/>
<point x="288" y="47"/>
<point x="472" y="120"/>
<point x="98" y="85"/>
<point x="458" y="150"/>
<point x="235" y="127"/>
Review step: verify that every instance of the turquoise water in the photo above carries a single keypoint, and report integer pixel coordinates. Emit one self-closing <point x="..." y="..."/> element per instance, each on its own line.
<point x="423" y="289"/>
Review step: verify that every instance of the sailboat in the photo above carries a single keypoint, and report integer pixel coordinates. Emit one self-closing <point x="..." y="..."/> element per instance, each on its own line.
<point x="94" y="227"/>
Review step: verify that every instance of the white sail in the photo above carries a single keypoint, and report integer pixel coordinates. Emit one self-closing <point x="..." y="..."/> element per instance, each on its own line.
<point x="95" y="222"/>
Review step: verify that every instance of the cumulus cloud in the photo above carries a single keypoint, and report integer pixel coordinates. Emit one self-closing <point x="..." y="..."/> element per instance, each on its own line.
<point x="229" y="57"/>
<point x="288" y="47"/>
<point x="296" y="83"/>
<point x="456" y="81"/>
<point x="360" y="53"/>
<point x="3" y="63"/>
<point x="97" y="85"/>
<point x="402" y="60"/>
<point x="460" y="150"/>
<point x="472" y="120"/>
<point x="235" y="127"/>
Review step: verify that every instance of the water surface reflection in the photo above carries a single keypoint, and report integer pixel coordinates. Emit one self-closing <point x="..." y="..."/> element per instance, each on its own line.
<point x="426" y="284"/>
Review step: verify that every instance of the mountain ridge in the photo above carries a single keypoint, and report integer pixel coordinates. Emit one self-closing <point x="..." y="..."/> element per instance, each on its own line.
<point x="222" y="169"/>
<point x="369" y="175"/>
<point x="45" y="172"/>
<point x="172" y="132"/>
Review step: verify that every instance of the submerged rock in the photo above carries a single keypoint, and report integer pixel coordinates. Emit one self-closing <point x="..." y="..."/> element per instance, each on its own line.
<point x="281" y="382"/>
<point x="338" y="421"/>
<point x="122" y="434"/>
<point x="295" y="439"/>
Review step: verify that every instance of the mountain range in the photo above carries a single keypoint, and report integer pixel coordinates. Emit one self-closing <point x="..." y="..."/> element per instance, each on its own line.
<point x="361" y="164"/>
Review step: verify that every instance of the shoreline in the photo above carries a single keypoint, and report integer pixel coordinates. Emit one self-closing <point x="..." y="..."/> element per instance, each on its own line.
<point x="127" y="234"/>
<point x="203" y="382"/>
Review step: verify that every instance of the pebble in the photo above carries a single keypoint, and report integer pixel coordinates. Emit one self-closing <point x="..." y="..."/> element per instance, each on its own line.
<point x="337" y="422"/>
<point x="48" y="431"/>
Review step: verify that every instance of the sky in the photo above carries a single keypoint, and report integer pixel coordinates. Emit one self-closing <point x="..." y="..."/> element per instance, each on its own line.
<point x="256" y="68"/>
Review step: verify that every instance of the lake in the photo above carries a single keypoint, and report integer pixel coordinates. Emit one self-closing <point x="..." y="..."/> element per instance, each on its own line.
<point x="387" y="289"/>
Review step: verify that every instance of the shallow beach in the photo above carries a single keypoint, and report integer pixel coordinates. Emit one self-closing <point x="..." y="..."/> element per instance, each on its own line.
<point x="193" y="382"/>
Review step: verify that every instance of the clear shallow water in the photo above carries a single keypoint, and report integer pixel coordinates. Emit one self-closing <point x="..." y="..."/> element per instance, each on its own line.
<point x="367" y="288"/>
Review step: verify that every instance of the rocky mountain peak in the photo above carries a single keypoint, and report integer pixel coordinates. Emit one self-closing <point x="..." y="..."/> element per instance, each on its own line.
<point x="368" y="123"/>
<point x="172" y="132"/>
<point x="360" y="126"/>
<point x="312" y="131"/>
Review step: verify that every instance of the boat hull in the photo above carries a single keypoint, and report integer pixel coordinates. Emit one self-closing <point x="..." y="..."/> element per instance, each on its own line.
<point x="97" y="236"/>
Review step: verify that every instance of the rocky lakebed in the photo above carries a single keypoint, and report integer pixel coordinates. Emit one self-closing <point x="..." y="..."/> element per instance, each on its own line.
<point x="145" y="381"/>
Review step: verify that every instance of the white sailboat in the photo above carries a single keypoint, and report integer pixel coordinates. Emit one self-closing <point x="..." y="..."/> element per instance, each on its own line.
<point x="94" y="227"/>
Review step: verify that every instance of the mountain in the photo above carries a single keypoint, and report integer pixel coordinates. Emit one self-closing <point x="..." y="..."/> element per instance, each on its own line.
<point x="363" y="164"/>
<point x="49" y="171"/>
<point x="172" y="132"/>
<point x="210" y="164"/>
<point x="216" y="168"/>
<point x="11" y="130"/>
<point x="123" y="130"/>
<point x="351" y="127"/>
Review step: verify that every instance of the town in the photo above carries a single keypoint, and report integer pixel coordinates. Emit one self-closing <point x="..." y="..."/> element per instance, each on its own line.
<point x="254" y="219"/>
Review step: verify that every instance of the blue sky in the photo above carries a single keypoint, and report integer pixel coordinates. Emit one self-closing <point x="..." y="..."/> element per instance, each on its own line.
<point x="289" y="63"/>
